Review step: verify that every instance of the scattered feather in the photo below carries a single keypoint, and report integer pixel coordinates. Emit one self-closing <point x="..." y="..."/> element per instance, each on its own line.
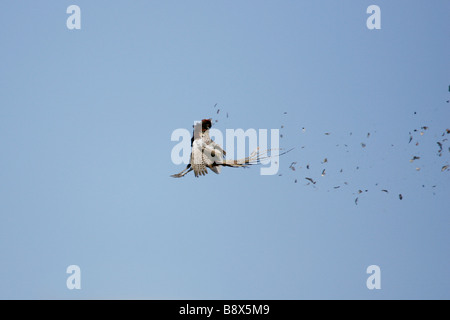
<point x="292" y="166"/>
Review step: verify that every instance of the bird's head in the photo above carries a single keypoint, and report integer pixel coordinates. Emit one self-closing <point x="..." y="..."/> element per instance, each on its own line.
<point x="206" y="124"/>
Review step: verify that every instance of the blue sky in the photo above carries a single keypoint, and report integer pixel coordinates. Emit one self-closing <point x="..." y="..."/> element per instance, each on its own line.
<point x="86" y="118"/>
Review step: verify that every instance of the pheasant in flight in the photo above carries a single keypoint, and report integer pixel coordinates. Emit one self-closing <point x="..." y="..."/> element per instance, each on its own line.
<point x="206" y="154"/>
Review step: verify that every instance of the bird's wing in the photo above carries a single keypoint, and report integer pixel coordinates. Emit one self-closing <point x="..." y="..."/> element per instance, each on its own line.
<point x="182" y="173"/>
<point x="197" y="158"/>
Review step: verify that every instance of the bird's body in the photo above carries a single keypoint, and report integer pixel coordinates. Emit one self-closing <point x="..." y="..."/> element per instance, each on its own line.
<point x="205" y="153"/>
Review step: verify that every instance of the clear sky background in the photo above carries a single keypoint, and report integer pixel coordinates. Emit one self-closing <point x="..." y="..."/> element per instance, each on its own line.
<point x="86" y="118"/>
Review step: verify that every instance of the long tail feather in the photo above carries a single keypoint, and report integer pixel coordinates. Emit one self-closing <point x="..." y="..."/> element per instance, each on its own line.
<point x="255" y="158"/>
